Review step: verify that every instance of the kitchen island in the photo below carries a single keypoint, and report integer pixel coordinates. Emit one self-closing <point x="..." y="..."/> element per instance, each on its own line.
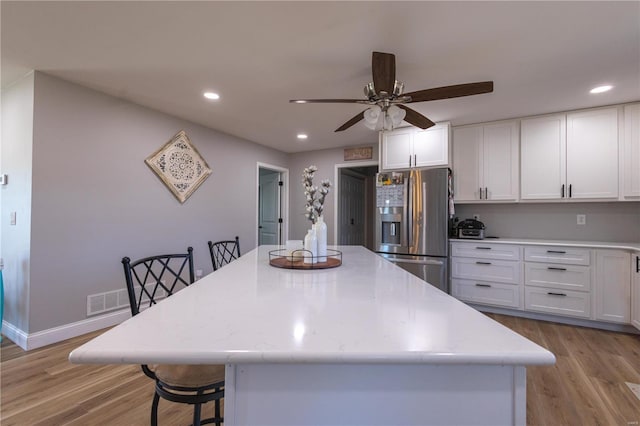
<point x="364" y="343"/>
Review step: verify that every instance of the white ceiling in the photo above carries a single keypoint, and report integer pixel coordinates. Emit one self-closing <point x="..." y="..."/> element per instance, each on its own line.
<point x="542" y="56"/>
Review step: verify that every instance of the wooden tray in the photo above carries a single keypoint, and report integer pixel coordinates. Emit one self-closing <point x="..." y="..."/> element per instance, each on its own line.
<point x="279" y="259"/>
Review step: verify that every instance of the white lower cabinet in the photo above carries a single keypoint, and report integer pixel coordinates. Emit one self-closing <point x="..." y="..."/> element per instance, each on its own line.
<point x="635" y="290"/>
<point x="480" y="274"/>
<point x="487" y="293"/>
<point x="557" y="280"/>
<point x="595" y="284"/>
<point x="559" y="302"/>
<point x="613" y="286"/>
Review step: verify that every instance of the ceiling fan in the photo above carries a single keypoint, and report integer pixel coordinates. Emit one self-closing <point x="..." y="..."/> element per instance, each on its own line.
<point x="386" y="100"/>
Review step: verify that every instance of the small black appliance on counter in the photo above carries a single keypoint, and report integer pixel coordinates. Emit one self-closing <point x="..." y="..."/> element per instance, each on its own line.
<point x="471" y="229"/>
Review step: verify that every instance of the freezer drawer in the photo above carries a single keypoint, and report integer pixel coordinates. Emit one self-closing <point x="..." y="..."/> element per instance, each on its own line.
<point x="501" y="271"/>
<point x="506" y="295"/>
<point x="430" y="269"/>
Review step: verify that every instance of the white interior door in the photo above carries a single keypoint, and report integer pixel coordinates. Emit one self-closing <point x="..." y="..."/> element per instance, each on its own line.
<point x="269" y="207"/>
<point x="352" y="215"/>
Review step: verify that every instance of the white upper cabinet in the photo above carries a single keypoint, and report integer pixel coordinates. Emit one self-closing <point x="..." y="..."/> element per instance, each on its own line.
<point x="485" y="162"/>
<point x="410" y="147"/>
<point x="571" y="157"/>
<point x="592" y="154"/>
<point x="631" y="152"/>
<point x="543" y="166"/>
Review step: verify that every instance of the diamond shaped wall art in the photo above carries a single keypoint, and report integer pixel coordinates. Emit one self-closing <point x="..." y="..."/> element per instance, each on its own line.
<point x="180" y="166"/>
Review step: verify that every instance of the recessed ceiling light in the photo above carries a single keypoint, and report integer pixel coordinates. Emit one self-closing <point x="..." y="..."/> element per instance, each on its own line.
<point x="302" y="136"/>
<point x="601" y="89"/>
<point x="300" y="102"/>
<point x="212" y="96"/>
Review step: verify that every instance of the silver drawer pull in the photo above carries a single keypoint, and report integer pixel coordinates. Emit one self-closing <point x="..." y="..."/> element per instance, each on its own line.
<point x="483" y="248"/>
<point x="555" y="294"/>
<point x="557" y="251"/>
<point x="483" y="263"/>
<point x="556" y="269"/>
<point x="483" y="285"/>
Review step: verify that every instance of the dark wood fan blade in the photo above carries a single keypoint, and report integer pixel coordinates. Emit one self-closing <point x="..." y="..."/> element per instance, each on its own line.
<point x="329" y="101"/>
<point x="351" y="122"/>
<point x="415" y="118"/>
<point x="383" y="68"/>
<point x="448" y="92"/>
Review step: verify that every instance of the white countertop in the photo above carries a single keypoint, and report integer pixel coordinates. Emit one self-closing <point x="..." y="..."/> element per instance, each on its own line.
<point x="366" y="311"/>
<point x="525" y="241"/>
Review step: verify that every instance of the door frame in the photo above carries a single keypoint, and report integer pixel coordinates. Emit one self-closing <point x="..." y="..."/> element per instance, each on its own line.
<point x="284" y="199"/>
<point x="336" y="176"/>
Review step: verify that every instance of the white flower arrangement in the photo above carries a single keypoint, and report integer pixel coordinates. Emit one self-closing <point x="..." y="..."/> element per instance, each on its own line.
<point x="314" y="206"/>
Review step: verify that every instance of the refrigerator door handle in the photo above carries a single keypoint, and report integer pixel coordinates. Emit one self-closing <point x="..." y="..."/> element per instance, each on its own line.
<point x="409" y="213"/>
<point x="422" y="262"/>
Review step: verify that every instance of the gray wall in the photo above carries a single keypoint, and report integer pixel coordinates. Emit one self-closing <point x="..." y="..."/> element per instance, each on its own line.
<point x="613" y="222"/>
<point x="95" y="200"/>
<point x="15" y="161"/>
<point x="325" y="160"/>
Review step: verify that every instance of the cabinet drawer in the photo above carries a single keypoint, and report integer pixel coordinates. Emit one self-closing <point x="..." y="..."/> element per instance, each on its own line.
<point x="486" y="251"/>
<point x="499" y="271"/>
<point x="551" y="254"/>
<point x="486" y="293"/>
<point x="553" y="275"/>
<point x="559" y="302"/>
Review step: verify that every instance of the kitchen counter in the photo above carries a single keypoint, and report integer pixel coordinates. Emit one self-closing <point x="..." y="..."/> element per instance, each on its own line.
<point x="342" y="335"/>
<point x="584" y="244"/>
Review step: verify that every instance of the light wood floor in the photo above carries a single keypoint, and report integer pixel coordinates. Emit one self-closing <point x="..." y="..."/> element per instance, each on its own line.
<point x="585" y="387"/>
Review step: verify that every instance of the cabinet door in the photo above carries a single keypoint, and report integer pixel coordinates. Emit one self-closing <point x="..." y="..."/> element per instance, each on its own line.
<point x="613" y="286"/>
<point x="543" y="159"/>
<point x="592" y="154"/>
<point x="431" y="146"/>
<point x="500" y="165"/>
<point x="467" y="157"/>
<point x="631" y="152"/>
<point x="635" y="290"/>
<point x="396" y="149"/>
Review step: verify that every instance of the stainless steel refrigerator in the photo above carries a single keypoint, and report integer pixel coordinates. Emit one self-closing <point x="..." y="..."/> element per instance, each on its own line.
<point x="412" y="218"/>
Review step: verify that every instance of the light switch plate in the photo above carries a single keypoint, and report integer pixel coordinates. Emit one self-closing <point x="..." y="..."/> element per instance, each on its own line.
<point x="582" y="219"/>
<point x="13" y="218"/>
<point x="3" y="179"/>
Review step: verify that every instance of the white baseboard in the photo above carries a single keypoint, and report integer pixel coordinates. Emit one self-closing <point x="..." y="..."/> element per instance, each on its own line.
<point x="14" y="334"/>
<point x="57" y="334"/>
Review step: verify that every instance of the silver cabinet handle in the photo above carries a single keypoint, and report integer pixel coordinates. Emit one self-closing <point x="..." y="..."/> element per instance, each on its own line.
<point x="486" y="193"/>
<point x="483" y="263"/>
<point x="483" y="285"/>
<point x="555" y="294"/>
<point x="483" y="248"/>
<point x="556" y="269"/>
<point x="481" y="193"/>
<point x="415" y="160"/>
<point x="557" y="251"/>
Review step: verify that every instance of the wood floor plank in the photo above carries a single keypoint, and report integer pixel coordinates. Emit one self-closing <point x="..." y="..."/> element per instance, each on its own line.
<point x="585" y="387"/>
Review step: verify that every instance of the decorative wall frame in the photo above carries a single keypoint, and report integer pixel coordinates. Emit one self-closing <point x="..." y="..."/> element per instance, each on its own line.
<point x="180" y="166"/>
<point x="361" y="153"/>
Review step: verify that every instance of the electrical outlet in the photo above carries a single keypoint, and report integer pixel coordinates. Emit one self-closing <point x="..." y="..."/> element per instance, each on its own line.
<point x="476" y="216"/>
<point x="582" y="219"/>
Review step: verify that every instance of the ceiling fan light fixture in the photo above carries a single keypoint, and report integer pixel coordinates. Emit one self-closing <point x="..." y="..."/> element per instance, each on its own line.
<point x="373" y="117"/>
<point x="395" y="115"/>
